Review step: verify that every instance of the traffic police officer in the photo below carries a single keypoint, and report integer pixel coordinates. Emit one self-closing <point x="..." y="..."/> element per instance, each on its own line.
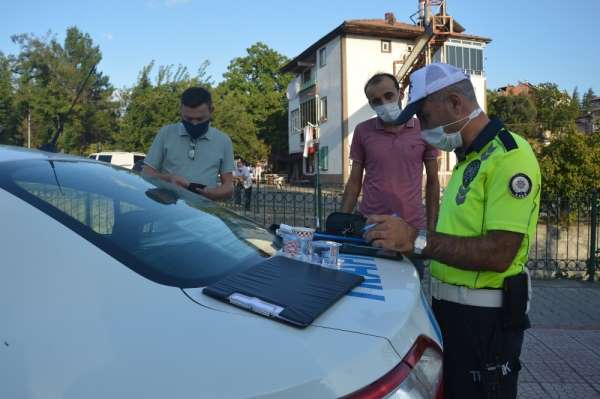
<point x="479" y="250"/>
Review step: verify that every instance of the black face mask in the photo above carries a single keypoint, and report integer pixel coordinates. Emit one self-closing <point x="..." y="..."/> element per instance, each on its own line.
<point x="198" y="130"/>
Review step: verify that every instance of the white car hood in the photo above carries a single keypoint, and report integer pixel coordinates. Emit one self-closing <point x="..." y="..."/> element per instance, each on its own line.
<point x="76" y="323"/>
<point x="388" y="304"/>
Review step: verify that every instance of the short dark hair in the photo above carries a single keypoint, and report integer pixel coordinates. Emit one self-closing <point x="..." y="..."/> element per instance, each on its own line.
<point x="378" y="77"/>
<point x="196" y="96"/>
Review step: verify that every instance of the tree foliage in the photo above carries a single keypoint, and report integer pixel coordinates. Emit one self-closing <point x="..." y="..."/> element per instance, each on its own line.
<point x="40" y="83"/>
<point x="547" y="109"/>
<point x="576" y="98"/>
<point x="231" y="116"/>
<point x="570" y="166"/>
<point x="257" y="77"/>
<point x="586" y="101"/>
<point x="151" y="104"/>
<point x="49" y="74"/>
<point x="556" y="111"/>
<point x="250" y="103"/>
<point x="518" y="112"/>
<point x="568" y="159"/>
<point x="8" y="117"/>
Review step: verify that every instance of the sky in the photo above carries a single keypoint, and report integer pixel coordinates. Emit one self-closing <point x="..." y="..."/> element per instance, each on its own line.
<point x="537" y="41"/>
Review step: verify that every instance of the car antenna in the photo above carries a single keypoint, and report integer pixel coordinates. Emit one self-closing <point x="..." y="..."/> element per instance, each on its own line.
<point x="51" y="146"/>
<point x="55" y="176"/>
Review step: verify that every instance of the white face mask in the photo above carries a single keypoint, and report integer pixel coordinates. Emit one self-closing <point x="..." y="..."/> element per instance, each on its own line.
<point x="388" y="112"/>
<point x="448" y="141"/>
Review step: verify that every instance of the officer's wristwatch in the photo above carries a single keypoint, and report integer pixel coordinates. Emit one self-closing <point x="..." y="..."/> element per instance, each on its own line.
<point x="420" y="242"/>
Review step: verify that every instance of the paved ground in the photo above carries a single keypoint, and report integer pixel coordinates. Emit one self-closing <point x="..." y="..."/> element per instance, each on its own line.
<point x="561" y="353"/>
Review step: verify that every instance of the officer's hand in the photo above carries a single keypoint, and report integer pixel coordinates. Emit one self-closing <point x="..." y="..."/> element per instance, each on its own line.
<point x="391" y="233"/>
<point x="180" y="181"/>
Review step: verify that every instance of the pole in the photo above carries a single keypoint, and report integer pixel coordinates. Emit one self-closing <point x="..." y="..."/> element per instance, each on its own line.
<point x="318" y="188"/>
<point x="594" y="227"/>
<point x="29" y="128"/>
<point x="257" y="174"/>
<point x="315" y="162"/>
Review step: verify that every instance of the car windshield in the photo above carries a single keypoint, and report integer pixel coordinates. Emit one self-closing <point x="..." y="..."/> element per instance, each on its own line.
<point x="167" y="234"/>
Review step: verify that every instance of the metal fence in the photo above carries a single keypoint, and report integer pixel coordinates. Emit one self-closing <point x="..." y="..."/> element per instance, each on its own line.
<point x="566" y="241"/>
<point x="293" y="205"/>
<point x="565" y="244"/>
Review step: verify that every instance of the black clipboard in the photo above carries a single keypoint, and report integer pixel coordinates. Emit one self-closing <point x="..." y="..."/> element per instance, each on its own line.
<point x="285" y="289"/>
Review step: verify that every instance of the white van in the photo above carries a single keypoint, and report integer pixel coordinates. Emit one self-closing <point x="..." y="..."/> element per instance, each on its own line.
<point x="119" y="158"/>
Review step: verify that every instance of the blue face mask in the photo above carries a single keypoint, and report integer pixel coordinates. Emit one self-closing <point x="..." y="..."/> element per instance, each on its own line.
<point x="197" y="130"/>
<point x="438" y="138"/>
<point x="388" y="112"/>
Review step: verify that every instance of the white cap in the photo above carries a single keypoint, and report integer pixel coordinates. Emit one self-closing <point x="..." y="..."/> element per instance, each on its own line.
<point x="425" y="81"/>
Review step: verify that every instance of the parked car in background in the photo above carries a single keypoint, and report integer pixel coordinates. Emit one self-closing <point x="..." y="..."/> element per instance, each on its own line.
<point x="124" y="159"/>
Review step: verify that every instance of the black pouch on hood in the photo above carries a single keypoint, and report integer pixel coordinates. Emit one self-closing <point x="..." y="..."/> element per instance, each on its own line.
<point x="345" y="224"/>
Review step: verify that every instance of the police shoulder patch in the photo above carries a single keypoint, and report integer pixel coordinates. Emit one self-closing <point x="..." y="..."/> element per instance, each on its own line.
<point x="520" y="185"/>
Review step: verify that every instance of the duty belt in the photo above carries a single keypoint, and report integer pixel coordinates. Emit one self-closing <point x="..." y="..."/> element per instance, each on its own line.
<point x="483" y="297"/>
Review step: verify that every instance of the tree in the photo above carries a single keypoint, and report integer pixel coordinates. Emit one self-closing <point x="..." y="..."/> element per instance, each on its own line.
<point x="569" y="165"/>
<point x="518" y="113"/>
<point x="148" y="106"/>
<point x="569" y="162"/>
<point x="49" y="76"/>
<point x="586" y="101"/>
<point x="8" y="117"/>
<point x="556" y="111"/>
<point x="576" y="96"/>
<point x="576" y="100"/>
<point x="232" y="117"/>
<point x="258" y="78"/>
<point x="95" y="115"/>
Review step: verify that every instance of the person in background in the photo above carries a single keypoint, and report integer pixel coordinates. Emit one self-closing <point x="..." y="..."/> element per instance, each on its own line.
<point x="192" y="151"/>
<point x="258" y="172"/>
<point x="243" y="179"/>
<point x="237" y="182"/>
<point x="391" y="159"/>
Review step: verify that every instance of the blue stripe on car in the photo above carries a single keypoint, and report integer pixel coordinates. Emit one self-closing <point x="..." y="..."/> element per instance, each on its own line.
<point x="364" y="266"/>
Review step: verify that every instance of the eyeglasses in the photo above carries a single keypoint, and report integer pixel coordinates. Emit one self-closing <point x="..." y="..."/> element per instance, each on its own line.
<point x="192" y="151"/>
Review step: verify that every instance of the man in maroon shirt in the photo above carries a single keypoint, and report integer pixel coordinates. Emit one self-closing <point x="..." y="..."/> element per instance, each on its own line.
<point x="391" y="159"/>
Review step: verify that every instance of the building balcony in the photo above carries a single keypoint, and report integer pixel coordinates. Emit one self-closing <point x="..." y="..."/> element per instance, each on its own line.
<point x="308" y="84"/>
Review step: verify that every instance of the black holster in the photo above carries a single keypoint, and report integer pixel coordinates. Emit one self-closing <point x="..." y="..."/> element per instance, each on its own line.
<point x="514" y="305"/>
